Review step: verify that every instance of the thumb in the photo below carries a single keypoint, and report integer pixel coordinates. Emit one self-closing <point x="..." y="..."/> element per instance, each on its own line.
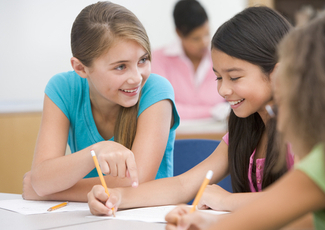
<point x="113" y="200"/>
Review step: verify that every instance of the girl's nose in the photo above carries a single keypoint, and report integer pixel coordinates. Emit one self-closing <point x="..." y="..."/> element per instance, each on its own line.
<point x="135" y="77"/>
<point x="223" y="89"/>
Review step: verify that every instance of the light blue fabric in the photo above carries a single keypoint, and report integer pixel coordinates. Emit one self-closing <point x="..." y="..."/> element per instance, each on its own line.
<point x="70" y="93"/>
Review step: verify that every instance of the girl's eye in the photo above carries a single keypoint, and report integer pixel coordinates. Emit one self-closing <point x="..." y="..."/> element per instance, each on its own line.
<point x="143" y="60"/>
<point x="120" y="67"/>
<point x="218" y="78"/>
<point x="234" y="78"/>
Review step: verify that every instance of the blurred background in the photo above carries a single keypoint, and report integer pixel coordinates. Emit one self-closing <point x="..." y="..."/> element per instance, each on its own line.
<point x="35" y="45"/>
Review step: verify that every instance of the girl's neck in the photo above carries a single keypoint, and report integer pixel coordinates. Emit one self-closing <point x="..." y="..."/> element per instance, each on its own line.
<point x="264" y="114"/>
<point x="106" y="111"/>
<point x="105" y="116"/>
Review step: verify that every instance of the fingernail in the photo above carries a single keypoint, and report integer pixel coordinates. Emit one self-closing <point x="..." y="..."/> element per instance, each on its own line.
<point x="109" y="205"/>
<point x="135" y="184"/>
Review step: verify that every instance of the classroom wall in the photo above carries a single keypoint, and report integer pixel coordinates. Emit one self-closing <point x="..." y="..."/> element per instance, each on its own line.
<point x="35" y="37"/>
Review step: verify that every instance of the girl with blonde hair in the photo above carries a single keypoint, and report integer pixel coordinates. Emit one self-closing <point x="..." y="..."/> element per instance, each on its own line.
<point x="111" y="104"/>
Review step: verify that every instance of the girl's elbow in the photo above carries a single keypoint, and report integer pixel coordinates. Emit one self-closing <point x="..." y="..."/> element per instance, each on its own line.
<point x="39" y="187"/>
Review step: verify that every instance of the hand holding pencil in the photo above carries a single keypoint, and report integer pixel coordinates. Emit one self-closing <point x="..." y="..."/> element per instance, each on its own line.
<point x="200" y="192"/>
<point x="184" y="217"/>
<point x="101" y="177"/>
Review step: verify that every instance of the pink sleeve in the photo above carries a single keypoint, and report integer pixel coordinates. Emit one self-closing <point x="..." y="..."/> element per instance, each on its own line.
<point x="225" y="138"/>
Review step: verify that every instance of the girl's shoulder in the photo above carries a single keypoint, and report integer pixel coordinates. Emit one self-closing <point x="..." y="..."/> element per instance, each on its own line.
<point x="66" y="83"/>
<point x="313" y="165"/>
<point x="156" y="85"/>
<point x="157" y="88"/>
<point x="66" y="77"/>
<point x="67" y="90"/>
<point x="157" y="80"/>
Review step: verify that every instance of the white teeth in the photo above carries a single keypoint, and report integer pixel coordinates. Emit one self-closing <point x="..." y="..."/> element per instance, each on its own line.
<point x="235" y="102"/>
<point x="129" y="91"/>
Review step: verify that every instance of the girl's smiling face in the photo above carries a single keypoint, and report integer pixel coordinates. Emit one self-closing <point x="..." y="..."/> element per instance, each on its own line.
<point x="242" y="84"/>
<point x="117" y="76"/>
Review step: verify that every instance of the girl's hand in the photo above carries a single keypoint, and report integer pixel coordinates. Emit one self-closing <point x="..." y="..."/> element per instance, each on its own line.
<point x="100" y="204"/>
<point x="181" y="218"/>
<point x="213" y="197"/>
<point x="116" y="160"/>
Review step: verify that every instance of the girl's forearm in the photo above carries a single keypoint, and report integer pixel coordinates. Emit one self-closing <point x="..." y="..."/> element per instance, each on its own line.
<point x="46" y="170"/>
<point x="77" y="192"/>
<point x="236" y="200"/>
<point x="164" y="191"/>
<point x="47" y="177"/>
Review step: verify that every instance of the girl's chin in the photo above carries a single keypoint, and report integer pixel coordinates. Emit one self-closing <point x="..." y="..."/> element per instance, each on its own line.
<point x="241" y="115"/>
<point x="129" y="105"/>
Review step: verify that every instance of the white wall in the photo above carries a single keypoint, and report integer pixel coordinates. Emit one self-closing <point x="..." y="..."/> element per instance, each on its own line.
<point x="35" y="38"/>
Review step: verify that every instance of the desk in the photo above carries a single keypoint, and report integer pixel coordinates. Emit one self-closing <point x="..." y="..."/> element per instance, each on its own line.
<point x="201" y="129"/>
<point x="65" y="220"/>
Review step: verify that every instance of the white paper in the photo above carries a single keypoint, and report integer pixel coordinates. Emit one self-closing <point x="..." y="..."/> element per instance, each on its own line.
<point x="28" y="207"/>
<point x="149" y="214"/>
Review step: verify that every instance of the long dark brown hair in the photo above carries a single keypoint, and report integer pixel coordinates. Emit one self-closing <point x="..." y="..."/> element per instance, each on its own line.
<point x="94" y="31"/>
<point x="252" y="35"/>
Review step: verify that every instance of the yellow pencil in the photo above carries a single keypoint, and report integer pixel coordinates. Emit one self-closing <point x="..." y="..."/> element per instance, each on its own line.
<point x="58" y="206"/>
<point x="100" y="174"/>
<point x="200" y="192"/>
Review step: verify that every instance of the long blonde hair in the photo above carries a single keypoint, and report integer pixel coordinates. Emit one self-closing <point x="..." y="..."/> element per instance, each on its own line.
<point x="94" y="31"/>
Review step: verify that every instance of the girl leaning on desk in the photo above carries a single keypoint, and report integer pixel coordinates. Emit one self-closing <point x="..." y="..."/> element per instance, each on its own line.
<point x="300" y="97"/>
<point x="244" y="59"/>
<point x="111" y="104"/>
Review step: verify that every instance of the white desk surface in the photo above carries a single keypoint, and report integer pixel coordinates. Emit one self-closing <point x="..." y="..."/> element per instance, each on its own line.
<point x="65" y="220"/>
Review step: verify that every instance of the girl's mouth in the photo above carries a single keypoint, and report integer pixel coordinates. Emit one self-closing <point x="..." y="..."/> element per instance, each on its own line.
<point x="235" y="102"/>
<point x="129" y="90"/>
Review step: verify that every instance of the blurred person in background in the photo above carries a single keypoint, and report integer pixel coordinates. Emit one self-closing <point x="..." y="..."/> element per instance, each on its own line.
<point x="187" y="64"/>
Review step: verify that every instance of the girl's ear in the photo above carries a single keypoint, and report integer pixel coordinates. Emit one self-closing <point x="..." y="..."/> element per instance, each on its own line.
<point x="79" y="67"/>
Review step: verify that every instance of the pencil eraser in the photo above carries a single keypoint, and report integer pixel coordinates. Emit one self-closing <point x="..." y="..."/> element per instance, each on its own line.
<point x="93" y="153"/>
<point x="209" y="174"/>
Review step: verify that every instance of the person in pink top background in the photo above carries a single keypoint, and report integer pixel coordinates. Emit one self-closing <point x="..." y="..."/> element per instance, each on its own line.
<point x="187" y="64"/>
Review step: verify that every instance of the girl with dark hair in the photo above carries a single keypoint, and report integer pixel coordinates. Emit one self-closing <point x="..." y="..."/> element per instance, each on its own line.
<point x="110" y="103"/>
<point x="186" y="63"/>
<point x="244" y="59"/>
<point x="300" y="97"/>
